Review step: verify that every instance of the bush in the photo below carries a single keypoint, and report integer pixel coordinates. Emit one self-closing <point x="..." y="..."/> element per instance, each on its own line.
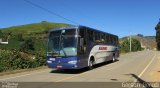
<point x="11" y="60"/>
<point x="27" y="45"/>
<point x="20" y="37"/>
<point x="125" y="46"/>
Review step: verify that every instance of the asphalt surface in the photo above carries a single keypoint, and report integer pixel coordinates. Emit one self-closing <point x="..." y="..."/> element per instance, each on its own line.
<point x="131" y="67"/>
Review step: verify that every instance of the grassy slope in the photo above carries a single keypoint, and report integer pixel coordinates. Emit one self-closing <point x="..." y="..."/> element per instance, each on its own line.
<point x="36" y="31"/>
<point x="35" y="27"/>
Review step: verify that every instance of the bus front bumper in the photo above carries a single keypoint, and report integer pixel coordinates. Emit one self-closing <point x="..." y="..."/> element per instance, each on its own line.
<point x="63" y="62"/>
<point x="62" y="66"/>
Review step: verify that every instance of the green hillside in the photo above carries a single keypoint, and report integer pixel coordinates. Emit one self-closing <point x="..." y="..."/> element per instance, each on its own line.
<point x="35" y="27"/>
<point x="37" y="32"/>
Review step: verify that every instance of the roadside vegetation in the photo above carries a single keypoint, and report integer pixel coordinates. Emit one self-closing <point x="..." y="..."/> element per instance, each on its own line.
<point x="158" y="36"/>
<point x="26" y="46"/>
<point x="14" y="60"/>
<point x="125" y="46"/>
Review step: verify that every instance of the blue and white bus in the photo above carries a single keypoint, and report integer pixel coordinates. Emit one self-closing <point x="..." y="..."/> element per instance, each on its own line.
<point x="76" y="47"/>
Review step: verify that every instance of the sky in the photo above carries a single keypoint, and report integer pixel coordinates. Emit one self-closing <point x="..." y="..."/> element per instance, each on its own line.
<point x="120" y="17"/>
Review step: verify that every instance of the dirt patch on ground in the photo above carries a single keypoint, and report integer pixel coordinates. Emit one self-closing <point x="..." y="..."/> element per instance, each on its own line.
<point x="22" y="70"/>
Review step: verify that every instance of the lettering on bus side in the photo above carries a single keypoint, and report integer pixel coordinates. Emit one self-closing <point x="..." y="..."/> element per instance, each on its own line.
<point x="102" y="48"/>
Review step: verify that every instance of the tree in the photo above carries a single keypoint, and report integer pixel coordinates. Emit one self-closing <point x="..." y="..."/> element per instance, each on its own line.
<point x="140" y="35"/>
<point x="125" y="45"/>
<point x="158" y="36"/>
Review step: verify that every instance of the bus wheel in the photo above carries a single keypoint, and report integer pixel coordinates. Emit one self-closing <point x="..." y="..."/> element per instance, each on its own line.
<point x="91" y="63"/>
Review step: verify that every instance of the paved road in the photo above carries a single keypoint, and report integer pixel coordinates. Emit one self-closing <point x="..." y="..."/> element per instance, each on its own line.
<point x="131" y="67"/>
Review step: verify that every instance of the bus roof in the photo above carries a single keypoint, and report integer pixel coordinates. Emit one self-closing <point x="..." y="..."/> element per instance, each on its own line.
<point x="79" y="26"/>
<point x="66" y="27"/>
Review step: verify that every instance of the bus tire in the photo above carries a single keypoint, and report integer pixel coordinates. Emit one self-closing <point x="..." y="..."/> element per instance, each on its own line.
<point x="91" y="64"/>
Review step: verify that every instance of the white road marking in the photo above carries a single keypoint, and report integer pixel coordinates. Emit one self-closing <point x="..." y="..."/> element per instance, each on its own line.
<point x="146" y="67"/>
<point x="21" y="75"/>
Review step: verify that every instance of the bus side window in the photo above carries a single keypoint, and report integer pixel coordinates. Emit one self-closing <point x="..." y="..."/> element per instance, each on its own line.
<point x="106" y="39"/>
<point x="103" y="38"/>
<point x="82" y="40"/>
<point x="90" y="39"/>
<point x="113" y="40"/>
<point x="97" y="37"/>
<point x="109" y="40"/>
<point x="90" y="35"/>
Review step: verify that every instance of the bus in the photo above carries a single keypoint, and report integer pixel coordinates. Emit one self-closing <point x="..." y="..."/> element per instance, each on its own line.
<point x="76" y="47"/>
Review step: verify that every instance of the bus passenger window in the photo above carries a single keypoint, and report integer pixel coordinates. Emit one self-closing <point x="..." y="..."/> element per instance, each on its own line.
<point x="97" y="37"/>
<point x="102" y="38"/>
<point x="82" y="40"/>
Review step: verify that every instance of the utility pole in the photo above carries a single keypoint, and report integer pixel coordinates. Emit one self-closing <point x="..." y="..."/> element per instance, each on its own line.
<point x="130" y="43"/>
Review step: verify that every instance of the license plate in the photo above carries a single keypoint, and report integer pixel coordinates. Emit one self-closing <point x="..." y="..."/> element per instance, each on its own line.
<point x="59" y="66"/>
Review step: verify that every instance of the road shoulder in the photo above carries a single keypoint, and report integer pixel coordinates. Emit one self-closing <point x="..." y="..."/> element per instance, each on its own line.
<point x="22" y="71"/>
<point x="155" y="73"/>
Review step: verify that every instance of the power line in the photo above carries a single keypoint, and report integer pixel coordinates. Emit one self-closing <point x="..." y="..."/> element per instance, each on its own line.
<point x="51" y="12"/>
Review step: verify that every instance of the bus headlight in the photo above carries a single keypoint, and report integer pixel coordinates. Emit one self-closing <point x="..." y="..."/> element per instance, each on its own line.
<point x="72" y="62"/>
<point x="49" y="61"/>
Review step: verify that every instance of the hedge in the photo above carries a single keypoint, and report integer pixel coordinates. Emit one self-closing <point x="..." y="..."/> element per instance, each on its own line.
<point x="12" y="60"/>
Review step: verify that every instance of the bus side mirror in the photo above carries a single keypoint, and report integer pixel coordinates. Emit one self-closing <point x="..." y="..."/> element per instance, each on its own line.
<point x="81" y="42"/>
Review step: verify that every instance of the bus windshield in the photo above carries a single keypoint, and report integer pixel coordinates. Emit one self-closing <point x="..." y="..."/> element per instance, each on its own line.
<point x="62" y="44"/>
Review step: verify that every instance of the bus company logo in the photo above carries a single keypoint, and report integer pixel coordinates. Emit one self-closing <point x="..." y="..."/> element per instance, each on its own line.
<point x="102" y="48"/>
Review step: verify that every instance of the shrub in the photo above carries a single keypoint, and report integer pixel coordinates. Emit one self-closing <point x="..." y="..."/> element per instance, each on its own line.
<point x="20" y="37"/>
<point x="125" y="45"/>
<point x="11" y="60"/>
<point x="27" y="45"/>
